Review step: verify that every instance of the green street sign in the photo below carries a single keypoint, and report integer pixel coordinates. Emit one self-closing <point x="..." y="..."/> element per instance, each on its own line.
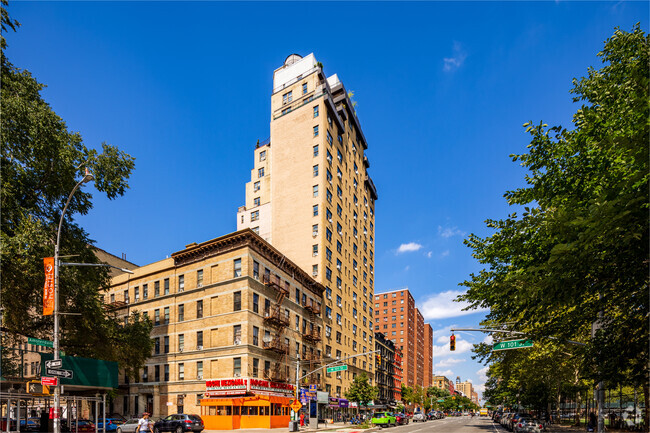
<point x="513" y="344"/>
<point x="39" y="342"/>
<point x="337" y="368"/>
<point x="442" y="400"/>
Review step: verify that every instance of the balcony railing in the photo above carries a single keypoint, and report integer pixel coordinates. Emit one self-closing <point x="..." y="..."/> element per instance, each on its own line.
<point x="276" y="345"/>
<point x="312" y="306"/>
<point x="275" y="317"/>
<point x="271" y="282"/>
<point x="312" y="335"/>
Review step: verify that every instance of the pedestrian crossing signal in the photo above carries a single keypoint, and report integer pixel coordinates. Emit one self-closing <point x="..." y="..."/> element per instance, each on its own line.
<point x="452" y="342"/>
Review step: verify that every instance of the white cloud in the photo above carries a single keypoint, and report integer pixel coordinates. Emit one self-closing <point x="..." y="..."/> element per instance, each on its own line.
<point x="447" y="232"/>
<point x="488" y="340"/>
<point x="447" y="373"/>
<point x="407" y="248"/>
<point x="429" y="254"/>
<point x="445" y="253"/>
<point x="480" y="388"/>
<point x="482" y="373"/>
<point x="455" y="62"/>
<point x="449" y="362"/>
<point x="442" y="306"/>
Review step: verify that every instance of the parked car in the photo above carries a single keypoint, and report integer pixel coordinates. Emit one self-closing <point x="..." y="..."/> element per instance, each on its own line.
<point x="527" y="424"/>
<point x="111" y="423"/>
<point x="128" y="426"/>
<point x="514" y="419"/>
<point x="419" y="416"/>
<point x="82" y="426"/>
<point x="179" y="423"/>
<point x="384" y="419"/>
<point x="401" y="418"/>
<point x="30" y="424"/>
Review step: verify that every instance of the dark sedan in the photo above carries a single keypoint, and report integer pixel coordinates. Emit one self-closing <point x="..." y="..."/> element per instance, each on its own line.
<point x="401" y="419"/>
<point x="179" y="423"/>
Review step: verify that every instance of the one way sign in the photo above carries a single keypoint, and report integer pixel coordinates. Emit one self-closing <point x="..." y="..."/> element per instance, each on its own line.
<point x="54" y="363"/>
<point x="66" y="374"/>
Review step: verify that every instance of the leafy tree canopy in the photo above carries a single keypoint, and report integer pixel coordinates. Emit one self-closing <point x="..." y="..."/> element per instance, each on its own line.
<point x="578" y="255"/>
<point x="361" y="391"/>
<point x="41" y="163"/>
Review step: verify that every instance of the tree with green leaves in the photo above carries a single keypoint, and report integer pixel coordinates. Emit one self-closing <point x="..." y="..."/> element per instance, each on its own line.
<point x="361" y="391"/>
<point x="574" y="265"/>
<point x="41" y="163"/>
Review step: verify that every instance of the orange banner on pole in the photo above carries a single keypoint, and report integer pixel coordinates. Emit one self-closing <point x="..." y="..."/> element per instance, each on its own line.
<point x="48" y="288"/>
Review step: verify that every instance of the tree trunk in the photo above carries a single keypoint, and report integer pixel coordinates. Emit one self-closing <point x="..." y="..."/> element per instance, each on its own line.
<point x="646" y="408"/>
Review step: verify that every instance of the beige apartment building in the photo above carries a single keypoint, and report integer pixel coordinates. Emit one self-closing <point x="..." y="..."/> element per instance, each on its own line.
<point x="467" y="389"/>
<point x="311" y="196"/>
<point x="397" y="317"/>
<point x="229" y="308"/>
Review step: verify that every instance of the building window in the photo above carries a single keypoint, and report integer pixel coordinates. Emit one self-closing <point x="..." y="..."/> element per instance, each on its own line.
<point x="316" y="150"/>
<point x="166" y="344"/>
<point x="338" y="318"/>
<point x="199" y="309"/>
<point x="256" y="201"/>
<point x="166" y="316"/>
<point x="156" y="346"/>
<point x="329" y="176"/>
<point x="256" y="335"/>
<point x="255" y="215"/>
<point x="314" y="270"/>
<point x="287" y="97"/>
<point x="236" y="335"/>
<point x="236" y="301"/>
<point x="260" y="172"/>
<point x="236" y="367"/>
<point x="316" y="131"/>
<point x="329" y="138"/>
<point x="314" y="230"/>
<point x="166" y="377"/>
<point x="256" y="367"/>
<point x="126" y="296"/>
<point x="256" y="270"/>
<point x="199" y="369"/>
<point x="199" y="278"/>
<point x="166" y="286"/>
<point x="304" y="88"/>
<point x="199" y="340"/>
<point x="181" y="312"/>
<point x="328" y="254"/>
<point x="263" y="155"/>
<point x="328" y="274"/>
<point x="237" y="268"/>
<point x="316" y="111"/>
<point x="339" y="300"/>
<point x="145" y="291"/>
<point x="315" y="170"/>
<point x="181" y="283"/>
<point x="328" y="234"/>
<point x="256" y="302"/>
<point x="315" y="191"/>
<point x="328" y="215"/>
<point x="314" y="250"/>
<point x="315" y="210"/>
<point x="156" y="317"/>
<point x="256" y="186"/>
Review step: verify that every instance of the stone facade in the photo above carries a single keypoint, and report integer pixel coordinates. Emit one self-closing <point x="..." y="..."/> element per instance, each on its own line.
<point x="229" y="307"/>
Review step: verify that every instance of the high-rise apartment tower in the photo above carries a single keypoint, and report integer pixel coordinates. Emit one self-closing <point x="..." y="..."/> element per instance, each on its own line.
<point x="310" y="196"/>
<point x="397" y="317"/>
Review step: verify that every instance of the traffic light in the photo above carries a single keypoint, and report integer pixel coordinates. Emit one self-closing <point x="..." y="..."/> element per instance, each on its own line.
<point x="452" y="342"/>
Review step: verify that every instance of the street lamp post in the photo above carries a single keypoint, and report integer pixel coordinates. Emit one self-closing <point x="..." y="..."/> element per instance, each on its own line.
<point x="57" y="390"/>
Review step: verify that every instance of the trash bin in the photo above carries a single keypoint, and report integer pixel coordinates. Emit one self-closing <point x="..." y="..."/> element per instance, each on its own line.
<point x="293" y="425"/>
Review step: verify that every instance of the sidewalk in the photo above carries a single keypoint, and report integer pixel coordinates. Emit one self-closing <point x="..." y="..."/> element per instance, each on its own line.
<point x="337" y="427"/>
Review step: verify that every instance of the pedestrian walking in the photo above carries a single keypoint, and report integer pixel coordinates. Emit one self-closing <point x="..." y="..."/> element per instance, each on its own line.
<point x="144" y="424"/>
<point x="302" y="420"/>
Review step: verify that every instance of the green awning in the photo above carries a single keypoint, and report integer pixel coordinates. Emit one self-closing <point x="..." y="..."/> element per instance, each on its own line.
<point x="86" y="371"/>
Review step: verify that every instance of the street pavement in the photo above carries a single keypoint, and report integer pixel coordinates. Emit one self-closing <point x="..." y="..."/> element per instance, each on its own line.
<point x="463" y="424"/>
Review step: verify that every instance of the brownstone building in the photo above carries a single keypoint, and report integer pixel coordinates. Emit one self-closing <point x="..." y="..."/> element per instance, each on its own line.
<point x="397" y="317"/>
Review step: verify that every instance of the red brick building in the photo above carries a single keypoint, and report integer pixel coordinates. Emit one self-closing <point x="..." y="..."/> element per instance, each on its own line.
<point x="401" y="322"/>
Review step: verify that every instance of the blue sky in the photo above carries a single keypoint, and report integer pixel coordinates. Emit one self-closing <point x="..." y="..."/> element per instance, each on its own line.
<point x="442" y="91"/>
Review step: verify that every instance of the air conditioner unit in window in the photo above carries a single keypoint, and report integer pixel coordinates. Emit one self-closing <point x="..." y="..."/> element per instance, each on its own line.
<point x="338" y="377"/>
<point x="199" y="285"/>
<point x="199" y="376"/>
<point x="199" y="347"/>
<point x="237" y="342"/>
<point x="237" y="375"/>
<point x="180" y="349"/>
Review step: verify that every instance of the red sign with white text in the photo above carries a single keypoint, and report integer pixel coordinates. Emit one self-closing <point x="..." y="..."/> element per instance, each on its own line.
<point x="49" y="381"/>
<point x="48" y="287"/>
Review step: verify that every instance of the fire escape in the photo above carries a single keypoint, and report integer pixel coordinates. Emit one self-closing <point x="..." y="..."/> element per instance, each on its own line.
<point x="313" y="337"/>
<point x="276" y="319"/>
